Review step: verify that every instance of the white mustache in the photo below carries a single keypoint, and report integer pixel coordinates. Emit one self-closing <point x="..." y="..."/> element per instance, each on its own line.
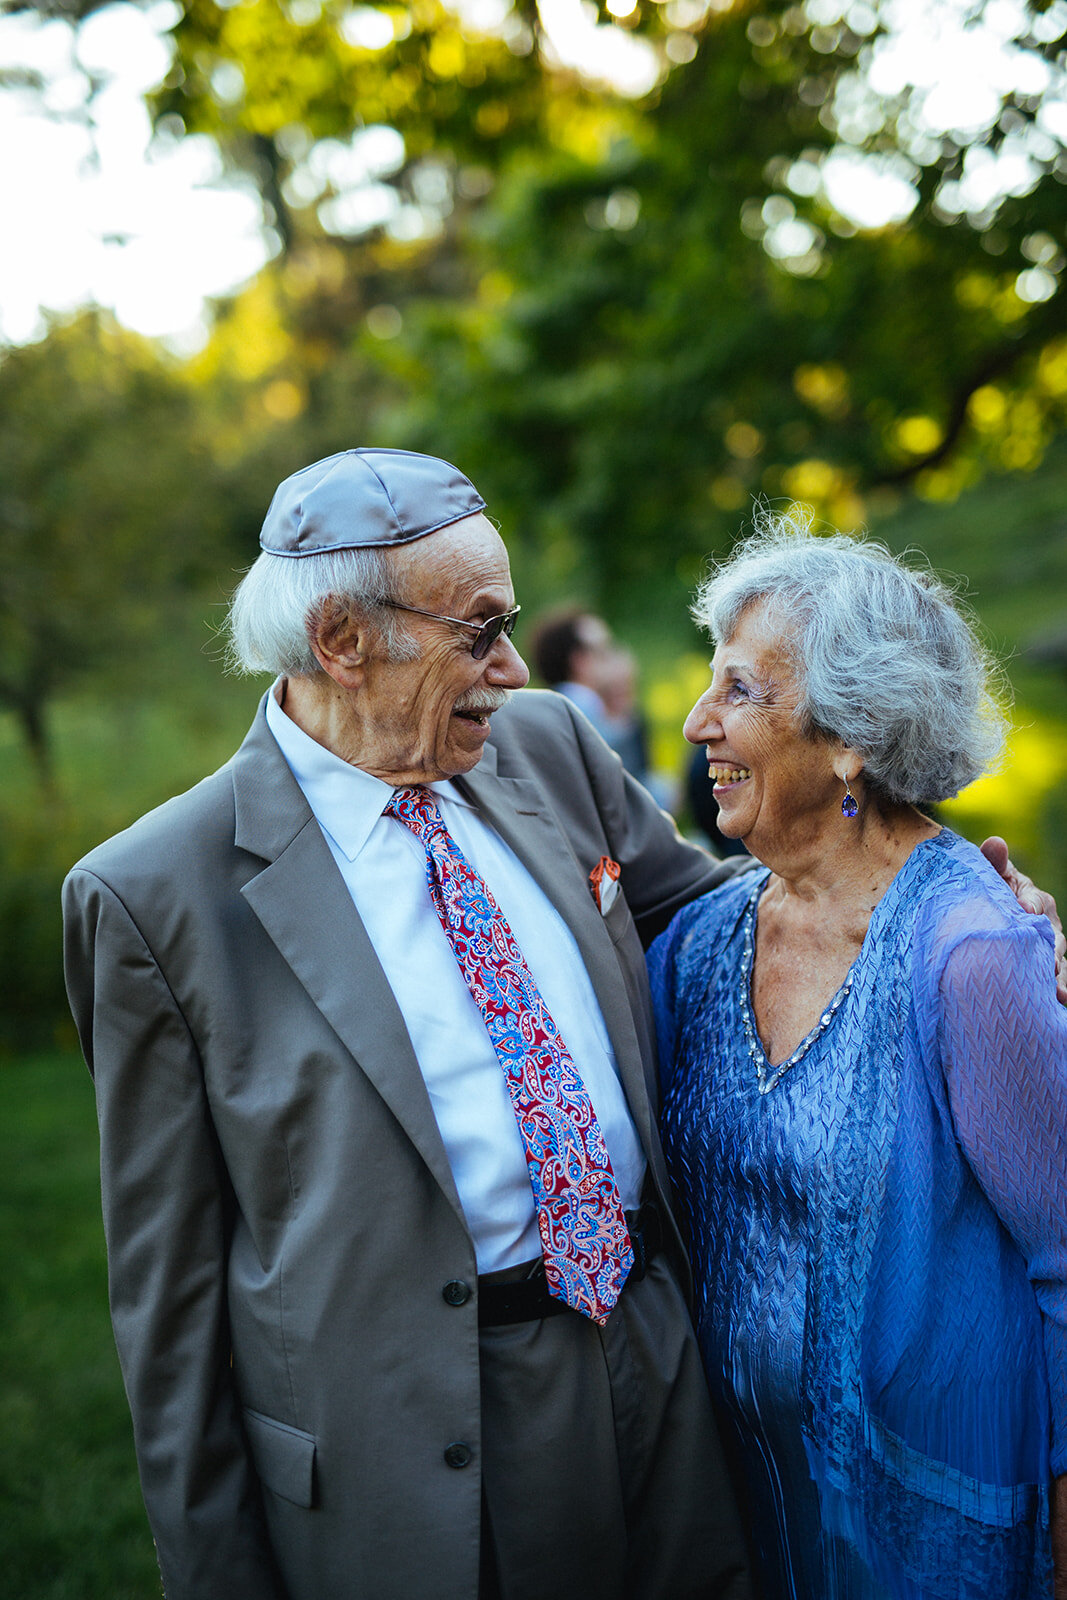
<point x="484" y="701"/>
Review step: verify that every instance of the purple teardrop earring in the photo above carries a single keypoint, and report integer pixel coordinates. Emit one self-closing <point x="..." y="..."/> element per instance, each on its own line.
<point x="849" y="805"/>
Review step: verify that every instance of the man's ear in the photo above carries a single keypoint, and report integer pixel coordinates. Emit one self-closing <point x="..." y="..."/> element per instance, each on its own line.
<point x="339" y="641"/>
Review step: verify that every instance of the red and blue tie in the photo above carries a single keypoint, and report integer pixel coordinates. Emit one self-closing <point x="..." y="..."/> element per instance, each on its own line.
<point x="584" y="1238"/>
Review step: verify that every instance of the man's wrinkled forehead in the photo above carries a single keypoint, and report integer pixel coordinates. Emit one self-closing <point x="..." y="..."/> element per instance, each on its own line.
<point x="367" y="498"/>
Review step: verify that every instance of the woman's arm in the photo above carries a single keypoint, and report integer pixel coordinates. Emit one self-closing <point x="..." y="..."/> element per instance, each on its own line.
<point x="1003" y="1047"/>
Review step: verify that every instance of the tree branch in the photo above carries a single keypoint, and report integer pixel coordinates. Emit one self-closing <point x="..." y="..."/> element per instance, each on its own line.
<point x="1041" y="327"/>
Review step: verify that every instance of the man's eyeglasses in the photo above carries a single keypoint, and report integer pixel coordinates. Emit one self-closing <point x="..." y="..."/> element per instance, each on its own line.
<point x="485" y="633"/>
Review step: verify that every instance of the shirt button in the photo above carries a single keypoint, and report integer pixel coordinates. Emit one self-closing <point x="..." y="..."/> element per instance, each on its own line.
<point x="458" y="1454"/>
<point x="456" y="1292"/>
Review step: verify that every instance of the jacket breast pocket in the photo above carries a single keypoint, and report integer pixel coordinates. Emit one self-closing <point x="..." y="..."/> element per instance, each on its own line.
<point x="617" y="919"/>
<point x="284" y="1457"/>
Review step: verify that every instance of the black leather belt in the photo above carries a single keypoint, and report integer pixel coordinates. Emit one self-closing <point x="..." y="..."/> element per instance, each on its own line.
<point x="527" y="1299"/>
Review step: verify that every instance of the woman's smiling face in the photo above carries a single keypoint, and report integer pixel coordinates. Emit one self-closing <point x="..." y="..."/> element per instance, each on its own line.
<point x="774" y="784"/>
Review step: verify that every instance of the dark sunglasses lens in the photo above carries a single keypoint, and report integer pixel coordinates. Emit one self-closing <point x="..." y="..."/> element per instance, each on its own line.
<point x="485" y="638"/>
<point x="490" y="632"/>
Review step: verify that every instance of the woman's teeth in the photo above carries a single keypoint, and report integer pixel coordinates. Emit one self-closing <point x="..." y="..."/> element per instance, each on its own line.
<point x="722" y="774"/>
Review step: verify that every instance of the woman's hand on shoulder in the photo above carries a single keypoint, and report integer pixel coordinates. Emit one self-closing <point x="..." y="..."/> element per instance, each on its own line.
<point x="1036" y="901"/>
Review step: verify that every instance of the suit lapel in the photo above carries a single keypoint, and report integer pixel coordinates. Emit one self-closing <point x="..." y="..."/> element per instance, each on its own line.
<point x="516" y="808"/>
<point x="301" y="901"/>
<point x="303" y="905"/>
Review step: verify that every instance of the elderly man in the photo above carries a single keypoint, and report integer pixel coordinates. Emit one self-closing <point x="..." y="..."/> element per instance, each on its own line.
<point x="395" y="1283"/>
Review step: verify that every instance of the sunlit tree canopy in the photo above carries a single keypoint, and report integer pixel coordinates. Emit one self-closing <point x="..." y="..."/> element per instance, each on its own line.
<point x="638" y="265"/>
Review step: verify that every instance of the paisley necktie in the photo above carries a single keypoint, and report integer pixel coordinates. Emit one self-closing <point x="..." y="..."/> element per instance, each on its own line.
<point x="584" y="1238"/>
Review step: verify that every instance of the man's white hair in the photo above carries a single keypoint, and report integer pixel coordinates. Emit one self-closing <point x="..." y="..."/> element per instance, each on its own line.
<point x="281" y="600"/>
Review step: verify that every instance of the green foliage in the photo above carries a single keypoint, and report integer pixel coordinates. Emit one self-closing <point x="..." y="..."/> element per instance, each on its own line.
<point x="1007" y="541"/>
<point x="106" y="509"/>
<point x="36" y="849"/>
<point x="613" y="331"/>
<point x="293" y="68"/>
<point x="73" y="1526"/>
<point x="592" y="304"/>
<point x="638" y="366"/>
<point x="276" y="83"/>
<point x="122" y="746"/>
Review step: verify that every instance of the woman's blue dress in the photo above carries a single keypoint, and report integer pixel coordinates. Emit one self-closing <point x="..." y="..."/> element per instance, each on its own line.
<point x="879" y="1237"/>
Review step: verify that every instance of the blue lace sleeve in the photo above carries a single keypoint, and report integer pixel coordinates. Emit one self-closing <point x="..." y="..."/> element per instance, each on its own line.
<point x="1003" y="1046"/>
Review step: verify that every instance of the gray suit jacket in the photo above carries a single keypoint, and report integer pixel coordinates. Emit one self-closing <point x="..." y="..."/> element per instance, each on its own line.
<point x="280" y="1213"/>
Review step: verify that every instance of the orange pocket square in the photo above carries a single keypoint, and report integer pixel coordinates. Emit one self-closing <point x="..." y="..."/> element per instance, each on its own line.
<point x="604" y="883"/>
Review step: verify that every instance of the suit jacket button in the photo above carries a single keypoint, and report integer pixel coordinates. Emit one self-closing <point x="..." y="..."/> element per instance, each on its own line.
<point x="458" y="1454"/>
<point x="456" y="1292"/>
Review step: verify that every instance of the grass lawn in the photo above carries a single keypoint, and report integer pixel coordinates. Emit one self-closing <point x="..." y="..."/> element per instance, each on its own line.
<point x="72" y="1526"/>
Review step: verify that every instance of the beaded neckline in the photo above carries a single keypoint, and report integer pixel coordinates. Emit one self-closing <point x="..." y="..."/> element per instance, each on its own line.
<point x="768" y="1076"/>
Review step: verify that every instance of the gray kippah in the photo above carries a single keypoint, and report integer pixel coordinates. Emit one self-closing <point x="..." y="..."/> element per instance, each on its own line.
<point x="366" y="497"/>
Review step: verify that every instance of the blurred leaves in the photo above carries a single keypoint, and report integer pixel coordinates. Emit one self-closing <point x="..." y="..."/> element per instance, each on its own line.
<point x="637" y="363"/>
<point x="806" y="263"/>
<point x="106" y="506"/>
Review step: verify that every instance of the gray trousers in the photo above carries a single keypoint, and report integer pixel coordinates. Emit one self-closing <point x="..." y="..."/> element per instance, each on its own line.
<point x="602" y="1474"/>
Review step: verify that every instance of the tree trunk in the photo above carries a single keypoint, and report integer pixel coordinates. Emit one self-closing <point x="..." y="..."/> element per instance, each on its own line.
<point x="29" y="712"/>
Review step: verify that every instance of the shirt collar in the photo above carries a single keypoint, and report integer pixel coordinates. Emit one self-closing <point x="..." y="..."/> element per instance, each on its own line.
<point x="347" y="801"/>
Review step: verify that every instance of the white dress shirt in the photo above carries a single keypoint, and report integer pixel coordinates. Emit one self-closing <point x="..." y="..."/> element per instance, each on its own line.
<point x="384" y="868"/>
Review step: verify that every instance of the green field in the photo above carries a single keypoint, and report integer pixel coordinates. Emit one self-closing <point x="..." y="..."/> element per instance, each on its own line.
<point x="73" y="1526"/>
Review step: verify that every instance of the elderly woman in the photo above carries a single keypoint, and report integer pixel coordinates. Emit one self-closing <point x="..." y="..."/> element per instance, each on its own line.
<point x="865" y="1099"/>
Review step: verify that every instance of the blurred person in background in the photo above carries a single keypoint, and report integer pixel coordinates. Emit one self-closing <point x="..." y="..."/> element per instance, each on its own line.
<point x="624" y="723"/>
<point x="576" y="656"/>
<point x="864" y="1072"/>
<point x="569" y="649"/>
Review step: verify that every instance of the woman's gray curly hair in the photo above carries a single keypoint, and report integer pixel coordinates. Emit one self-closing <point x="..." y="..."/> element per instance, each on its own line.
<point x="886" y="660"/>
